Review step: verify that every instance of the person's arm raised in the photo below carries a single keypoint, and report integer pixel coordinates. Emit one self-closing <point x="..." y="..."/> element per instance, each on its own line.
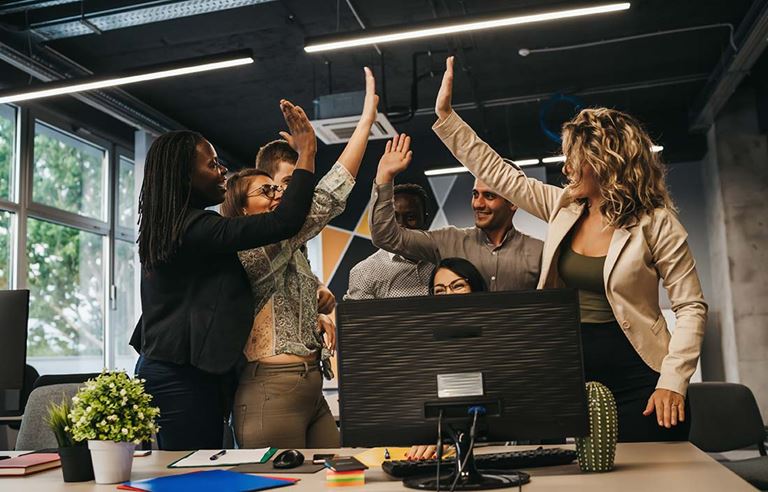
<point x="301" y="136"/>
<point x="483" y="162"/>
<point x="210" y="232"/>
<point x="353" y="152"/>
<point x="386" y="233"/>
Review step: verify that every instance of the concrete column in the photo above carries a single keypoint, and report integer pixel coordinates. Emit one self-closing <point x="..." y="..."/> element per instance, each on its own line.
<point x="736" y="181"/>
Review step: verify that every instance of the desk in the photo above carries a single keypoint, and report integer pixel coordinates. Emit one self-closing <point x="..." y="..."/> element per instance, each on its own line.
<point x="659" y="467"/>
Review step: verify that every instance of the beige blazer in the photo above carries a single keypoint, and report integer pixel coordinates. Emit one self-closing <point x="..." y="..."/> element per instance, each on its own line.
<point x="639" y="256"/>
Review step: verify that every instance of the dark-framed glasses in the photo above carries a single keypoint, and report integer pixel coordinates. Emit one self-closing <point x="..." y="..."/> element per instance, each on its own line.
<point x="266" y="190"/>
<point x="458" y="286"/>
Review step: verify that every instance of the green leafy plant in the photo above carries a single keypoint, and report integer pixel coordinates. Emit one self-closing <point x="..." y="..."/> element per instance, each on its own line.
<point x="58" y="421"/>
<point x="113" y="407"/>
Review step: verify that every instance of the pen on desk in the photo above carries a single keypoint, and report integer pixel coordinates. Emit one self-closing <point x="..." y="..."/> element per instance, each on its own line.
<point x="218" y="455"/>
<point x="386" y="454"/>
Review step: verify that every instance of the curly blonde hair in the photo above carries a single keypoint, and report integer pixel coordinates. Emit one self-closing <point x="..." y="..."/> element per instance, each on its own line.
<point x="617" y="148"/>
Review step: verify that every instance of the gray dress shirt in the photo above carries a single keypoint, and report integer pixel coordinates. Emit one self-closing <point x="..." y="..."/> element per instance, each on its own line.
<point x="383" y="275"/>
<point x="513" y="265"/>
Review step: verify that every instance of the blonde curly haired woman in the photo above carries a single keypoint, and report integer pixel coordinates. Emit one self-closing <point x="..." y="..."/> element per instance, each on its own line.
<point x="613" y="235"/>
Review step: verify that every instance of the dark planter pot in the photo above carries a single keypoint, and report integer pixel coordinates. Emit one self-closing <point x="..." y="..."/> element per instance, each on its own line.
<point x="76" y="465"/>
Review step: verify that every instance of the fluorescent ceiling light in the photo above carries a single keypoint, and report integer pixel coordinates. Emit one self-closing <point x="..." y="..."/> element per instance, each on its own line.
<point x="197" y="65"/>
<point x="381" y="36"/>
<point x="446" y="170"/>
<point x="657" y="148"/>
<point x="551" y="160"/>
<point x="526" y="162"/>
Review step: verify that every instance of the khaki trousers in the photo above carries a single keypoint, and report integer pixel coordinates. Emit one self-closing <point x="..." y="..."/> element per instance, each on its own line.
<point x="282" y="406"/>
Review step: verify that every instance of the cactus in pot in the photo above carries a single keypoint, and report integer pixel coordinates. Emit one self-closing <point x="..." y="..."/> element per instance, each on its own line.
<point x="597" y="451"/>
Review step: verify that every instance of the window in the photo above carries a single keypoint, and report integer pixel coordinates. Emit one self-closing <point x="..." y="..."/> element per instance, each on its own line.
<point x="124" y="319"/>
<point x="5" y="250"/>
<point x="70" y="242"/>
<point x="7" y="150"/>
<point x="68" y="173"/>
<point x="126" y="207"/>
<point x="66" y="283"/>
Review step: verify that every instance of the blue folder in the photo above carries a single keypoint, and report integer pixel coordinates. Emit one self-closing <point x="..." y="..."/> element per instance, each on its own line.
<point x="206" y="481"/>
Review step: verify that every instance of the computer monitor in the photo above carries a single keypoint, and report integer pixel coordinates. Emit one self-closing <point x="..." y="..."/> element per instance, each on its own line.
<point x="14" y="312"/>
<point x="516" y="355"/>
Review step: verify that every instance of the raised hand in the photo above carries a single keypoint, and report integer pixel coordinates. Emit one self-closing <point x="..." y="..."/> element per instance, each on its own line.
<point x="443" y="103"/>
<point x="371" y="99"/>
<point x="397" y="156"/>
<point x="300" y="135"/>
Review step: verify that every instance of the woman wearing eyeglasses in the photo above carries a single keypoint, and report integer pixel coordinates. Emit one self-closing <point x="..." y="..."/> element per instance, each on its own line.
<point x="456" y="276"/>
<point x="197" y="309"/>
<point x="279" y="400"/>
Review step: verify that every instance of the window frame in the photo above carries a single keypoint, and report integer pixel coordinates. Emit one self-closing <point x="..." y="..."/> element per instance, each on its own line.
<point x="22" y="207"/>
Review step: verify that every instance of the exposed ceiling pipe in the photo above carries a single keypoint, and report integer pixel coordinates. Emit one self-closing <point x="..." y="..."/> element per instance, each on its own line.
<point x="147" y="12"/>
<point x="733" y="67"/>
<point x="13" y="6"/>
<point x="533" y="98"/>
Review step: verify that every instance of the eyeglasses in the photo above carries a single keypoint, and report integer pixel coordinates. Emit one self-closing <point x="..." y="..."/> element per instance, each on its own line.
<point x="458" y="286"/>
<point x="267" y="191"/>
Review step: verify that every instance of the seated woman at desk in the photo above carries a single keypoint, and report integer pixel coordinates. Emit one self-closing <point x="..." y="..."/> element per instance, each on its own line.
<point x="452" y="276"/>
<point x="279" y="400"/>
<point x="456" y="276"/>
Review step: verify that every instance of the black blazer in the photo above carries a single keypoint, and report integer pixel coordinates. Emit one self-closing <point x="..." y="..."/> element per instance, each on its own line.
<point x="198" y="308"/>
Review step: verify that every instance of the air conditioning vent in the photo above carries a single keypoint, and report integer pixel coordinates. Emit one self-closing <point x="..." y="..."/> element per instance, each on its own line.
<point x="339" y="130"/>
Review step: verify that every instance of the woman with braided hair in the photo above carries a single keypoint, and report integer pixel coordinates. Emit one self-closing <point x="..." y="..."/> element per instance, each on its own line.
<point x="197" y="307"/>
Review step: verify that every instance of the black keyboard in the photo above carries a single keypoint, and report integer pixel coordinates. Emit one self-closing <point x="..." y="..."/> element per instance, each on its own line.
<point x="511" y="460"/>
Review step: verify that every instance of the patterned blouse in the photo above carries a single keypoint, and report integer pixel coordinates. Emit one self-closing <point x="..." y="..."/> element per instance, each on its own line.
<point x="282" y="282"/>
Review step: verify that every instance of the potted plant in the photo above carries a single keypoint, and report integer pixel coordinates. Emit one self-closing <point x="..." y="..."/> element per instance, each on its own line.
<point x="75" y="457"/>
<point x="113" y="413"/>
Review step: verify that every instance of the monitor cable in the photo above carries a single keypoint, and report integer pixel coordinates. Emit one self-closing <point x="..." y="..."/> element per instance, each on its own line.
<point x="439" y="447"/>
<point x="472" y="435"/>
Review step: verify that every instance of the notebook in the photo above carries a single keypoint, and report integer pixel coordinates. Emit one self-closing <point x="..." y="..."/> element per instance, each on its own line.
<point x="29" y="463"/>
<point x="232" y="457"/>
<point x="207" y="481"/>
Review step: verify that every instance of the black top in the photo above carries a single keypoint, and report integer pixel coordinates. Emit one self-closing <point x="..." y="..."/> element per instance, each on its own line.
<point x="198" y="308"/>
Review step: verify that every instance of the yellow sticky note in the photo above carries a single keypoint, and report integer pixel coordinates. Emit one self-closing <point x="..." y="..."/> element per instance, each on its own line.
<point x="375" y="456"/>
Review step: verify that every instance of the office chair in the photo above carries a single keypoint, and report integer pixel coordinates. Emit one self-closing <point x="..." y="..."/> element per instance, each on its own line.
<point x="34" y="432"/>
<point x="725" y="417"/>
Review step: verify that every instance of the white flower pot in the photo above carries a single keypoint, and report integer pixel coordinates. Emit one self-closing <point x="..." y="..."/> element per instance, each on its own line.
<point x="112" y="461"/>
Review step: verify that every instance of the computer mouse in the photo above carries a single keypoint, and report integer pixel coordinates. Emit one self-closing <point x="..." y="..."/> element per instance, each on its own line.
<point x="290" y="458"/>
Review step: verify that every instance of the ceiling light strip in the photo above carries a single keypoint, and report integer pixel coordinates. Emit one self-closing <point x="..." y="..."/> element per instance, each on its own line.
<point x="364" y="39"/>
<point x="62" y="88"/>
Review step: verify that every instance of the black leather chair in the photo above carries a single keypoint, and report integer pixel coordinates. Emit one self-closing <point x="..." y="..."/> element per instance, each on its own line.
<point x="725" y="417"/>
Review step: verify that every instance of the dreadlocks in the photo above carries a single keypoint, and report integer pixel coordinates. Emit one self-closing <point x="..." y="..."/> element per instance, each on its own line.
<point x="165" y="194"/>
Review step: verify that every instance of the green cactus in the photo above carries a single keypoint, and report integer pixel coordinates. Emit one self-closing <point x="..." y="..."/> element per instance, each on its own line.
<point x="597" y="450"/>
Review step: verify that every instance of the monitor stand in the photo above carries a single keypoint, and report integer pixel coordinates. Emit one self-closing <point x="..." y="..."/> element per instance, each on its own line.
<point x="470" y="478"/>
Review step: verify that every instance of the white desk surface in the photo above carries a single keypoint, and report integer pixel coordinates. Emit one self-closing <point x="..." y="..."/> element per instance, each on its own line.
<point x="657" y="467"/>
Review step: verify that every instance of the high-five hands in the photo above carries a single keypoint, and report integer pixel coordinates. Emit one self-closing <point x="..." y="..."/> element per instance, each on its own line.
<point x="300" y="135"/>
<point x="371" y="98"/>
<point x="397" y="156"/>
<point x="443" y="103"/>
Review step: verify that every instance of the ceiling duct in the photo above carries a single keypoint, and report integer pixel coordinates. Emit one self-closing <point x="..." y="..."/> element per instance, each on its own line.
<point x="13" y="6"/>
<point x="134" y="15"/>
<point x="337" y="115"/>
